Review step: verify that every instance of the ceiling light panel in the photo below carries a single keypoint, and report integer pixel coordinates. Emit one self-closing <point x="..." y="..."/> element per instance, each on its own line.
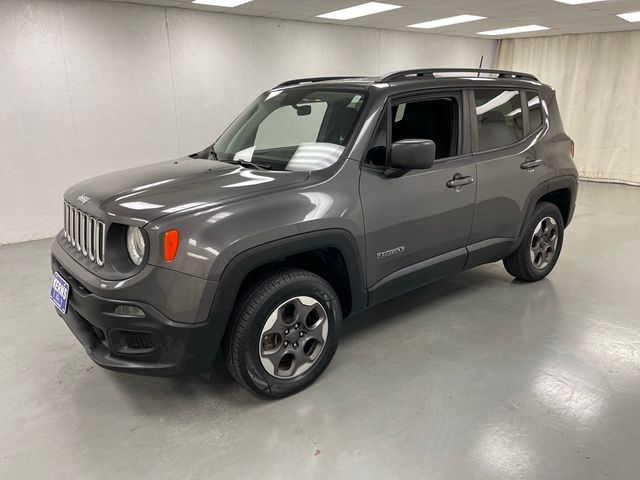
<point x="359" y="11"/>
<point x="578" y="2"/>
<point x="221" y="3"/>
<point x="443" y="22"/>
<point x="514" y="30"/>
<point x="630" y="17"/>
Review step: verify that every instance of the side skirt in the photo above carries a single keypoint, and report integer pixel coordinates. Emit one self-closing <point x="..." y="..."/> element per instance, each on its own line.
<point x="417" y="275"/>
<point x="487" y="251"/>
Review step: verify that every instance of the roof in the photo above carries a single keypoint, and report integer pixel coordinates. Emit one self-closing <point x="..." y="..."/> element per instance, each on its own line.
<point x="415" y="76"/>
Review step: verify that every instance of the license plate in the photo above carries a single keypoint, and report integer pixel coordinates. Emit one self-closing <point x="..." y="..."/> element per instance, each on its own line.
<point x="59" y="292"/>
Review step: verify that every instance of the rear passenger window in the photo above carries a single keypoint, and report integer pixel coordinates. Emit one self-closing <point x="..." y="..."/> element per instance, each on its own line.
<point x="499" y="118"/>
<point x="535" y="110"/>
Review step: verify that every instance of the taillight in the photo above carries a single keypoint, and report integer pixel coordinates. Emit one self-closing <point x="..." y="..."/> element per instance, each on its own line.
<point x="572" y="150"/>
<point x="170" y="244"/>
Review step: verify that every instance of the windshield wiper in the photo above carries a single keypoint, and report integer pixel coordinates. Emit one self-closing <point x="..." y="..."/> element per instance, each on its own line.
<point x="244" y="163"/>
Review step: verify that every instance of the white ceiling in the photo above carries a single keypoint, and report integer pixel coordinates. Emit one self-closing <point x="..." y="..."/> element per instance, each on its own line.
<point x="559" y="17"/>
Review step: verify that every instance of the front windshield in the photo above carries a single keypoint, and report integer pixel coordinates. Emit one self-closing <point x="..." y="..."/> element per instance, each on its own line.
<point x="295" y="130"/>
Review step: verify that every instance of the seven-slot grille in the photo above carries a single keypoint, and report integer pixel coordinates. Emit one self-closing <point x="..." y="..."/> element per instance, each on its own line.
<point x="85" y="233"/>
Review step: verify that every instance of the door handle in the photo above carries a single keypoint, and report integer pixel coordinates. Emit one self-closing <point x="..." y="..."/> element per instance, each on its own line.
<point x="459" y="181"/>
<point x="530" y="164"/>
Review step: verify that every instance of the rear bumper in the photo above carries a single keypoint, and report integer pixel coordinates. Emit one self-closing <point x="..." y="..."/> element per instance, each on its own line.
<point x="146" y="343"/>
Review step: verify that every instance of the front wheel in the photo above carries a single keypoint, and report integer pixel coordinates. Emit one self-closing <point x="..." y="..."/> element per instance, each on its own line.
<point x="284" y="332"/>
<point x="540" y="248"/>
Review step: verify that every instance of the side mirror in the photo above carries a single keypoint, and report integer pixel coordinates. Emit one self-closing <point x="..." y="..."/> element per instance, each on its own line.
<point x="412" y="154"/>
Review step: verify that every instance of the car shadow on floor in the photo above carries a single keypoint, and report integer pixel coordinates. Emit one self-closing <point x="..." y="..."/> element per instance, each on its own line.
<point x="221" y="388"/>
<point x="447" y="291"/>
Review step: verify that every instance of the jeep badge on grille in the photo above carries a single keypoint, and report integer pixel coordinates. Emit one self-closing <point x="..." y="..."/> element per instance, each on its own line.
<point x="83" y="199"/>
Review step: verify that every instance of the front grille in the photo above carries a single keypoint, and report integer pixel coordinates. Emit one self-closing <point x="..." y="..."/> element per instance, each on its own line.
<point x="85" y="233"/>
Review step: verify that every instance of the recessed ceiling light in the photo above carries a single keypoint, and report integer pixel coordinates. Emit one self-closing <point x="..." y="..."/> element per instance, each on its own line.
<point x="368" y="8"/>
<point x="578" y="2"/>
<point x="508" y="31"/>
<point x="630" y="17"/>
<point x="447" y="21"/>
<point x="221" y="3"/>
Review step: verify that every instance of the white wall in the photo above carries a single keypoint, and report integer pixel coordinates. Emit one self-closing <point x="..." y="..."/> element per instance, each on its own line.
<point x="88" y="87"/>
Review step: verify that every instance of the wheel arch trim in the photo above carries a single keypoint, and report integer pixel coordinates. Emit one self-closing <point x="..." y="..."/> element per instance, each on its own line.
<point x="236" y="271"/>
<point x="568" y="182"/>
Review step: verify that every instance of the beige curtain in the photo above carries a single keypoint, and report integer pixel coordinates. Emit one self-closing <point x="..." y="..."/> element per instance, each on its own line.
<point x="597" y="79"/>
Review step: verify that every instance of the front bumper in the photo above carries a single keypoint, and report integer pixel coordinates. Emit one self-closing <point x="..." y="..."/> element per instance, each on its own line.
<point x="148" y="343"/>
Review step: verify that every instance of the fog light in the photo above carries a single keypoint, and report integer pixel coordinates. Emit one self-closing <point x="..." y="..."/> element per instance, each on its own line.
<point x="129" y="311"/>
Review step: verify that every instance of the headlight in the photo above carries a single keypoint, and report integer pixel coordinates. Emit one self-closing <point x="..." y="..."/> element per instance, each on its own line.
<point x="135" y="244"/>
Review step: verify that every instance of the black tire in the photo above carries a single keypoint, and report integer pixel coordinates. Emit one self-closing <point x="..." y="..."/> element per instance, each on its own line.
<point x="519" y="263"/>
<point x="242" y="341"/>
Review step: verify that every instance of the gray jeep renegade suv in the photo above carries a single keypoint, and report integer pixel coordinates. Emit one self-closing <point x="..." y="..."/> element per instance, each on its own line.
<point x="324" y="197"/>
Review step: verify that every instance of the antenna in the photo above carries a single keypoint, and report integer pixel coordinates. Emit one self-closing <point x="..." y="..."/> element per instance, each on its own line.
<point x="480" y="67"/>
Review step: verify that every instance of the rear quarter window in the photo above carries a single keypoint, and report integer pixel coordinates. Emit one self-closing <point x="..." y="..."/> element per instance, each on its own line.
<point x="535" y="110"/>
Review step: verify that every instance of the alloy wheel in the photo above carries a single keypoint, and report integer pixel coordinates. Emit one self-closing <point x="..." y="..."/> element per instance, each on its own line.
<point x="544" y="243"/>
<point x="293" y="337"/>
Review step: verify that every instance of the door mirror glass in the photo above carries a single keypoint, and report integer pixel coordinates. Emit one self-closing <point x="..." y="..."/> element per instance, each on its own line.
<point x="412" y="154"/>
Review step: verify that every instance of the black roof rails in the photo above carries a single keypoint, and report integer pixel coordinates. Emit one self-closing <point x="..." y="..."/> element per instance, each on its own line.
<point x="311" y="80"/>
<point x="429" y="73"/>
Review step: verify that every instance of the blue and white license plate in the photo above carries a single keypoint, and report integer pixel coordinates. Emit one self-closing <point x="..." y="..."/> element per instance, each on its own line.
<point x="59" y="292"/>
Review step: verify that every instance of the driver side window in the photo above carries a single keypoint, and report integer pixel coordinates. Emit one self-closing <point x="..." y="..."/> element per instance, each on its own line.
<point x="433" y="119"/>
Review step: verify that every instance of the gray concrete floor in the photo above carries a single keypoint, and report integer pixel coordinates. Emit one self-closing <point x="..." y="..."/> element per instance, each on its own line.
<point x="475" y="376"/>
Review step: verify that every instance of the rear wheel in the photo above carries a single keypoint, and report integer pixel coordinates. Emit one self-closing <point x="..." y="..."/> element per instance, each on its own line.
<point x="284" y="332"/>
<point x="540" y="248"/>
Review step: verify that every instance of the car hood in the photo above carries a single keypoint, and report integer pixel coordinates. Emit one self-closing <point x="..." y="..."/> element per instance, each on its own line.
<point x="146" y="193"/>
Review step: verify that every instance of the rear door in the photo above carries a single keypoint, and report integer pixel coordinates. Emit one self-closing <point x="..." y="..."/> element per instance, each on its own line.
<point x="504" y="138"/>
<point x="418" y="224"/>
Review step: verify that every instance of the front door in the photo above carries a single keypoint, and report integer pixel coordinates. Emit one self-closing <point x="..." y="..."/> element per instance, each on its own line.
<point x="417" y="224"/>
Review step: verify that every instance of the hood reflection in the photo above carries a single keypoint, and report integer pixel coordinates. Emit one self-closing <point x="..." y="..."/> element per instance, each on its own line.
<point x="254" y="179"/>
